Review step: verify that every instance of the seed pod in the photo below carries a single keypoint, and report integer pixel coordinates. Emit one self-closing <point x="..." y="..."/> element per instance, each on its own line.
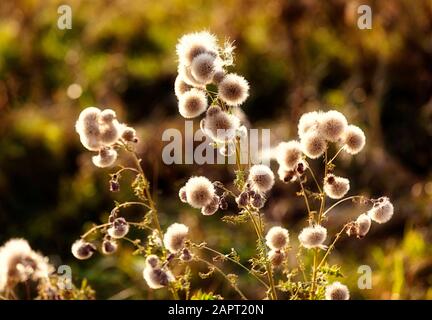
<point x="242" y="200"/>
<point x="109" y="247"/>
<point x="186" y="255"/>
<point x="119" y="228"/>
<point x="223" y="204"/>
<point x="258" y="201"/>
<point x="83" y="250"/>
<point x="114" y="185"/>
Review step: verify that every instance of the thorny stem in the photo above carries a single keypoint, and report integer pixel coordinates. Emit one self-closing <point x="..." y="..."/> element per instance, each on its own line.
<point x="339" y="202"/>
<point x="236" y="262"/>
<point x="338" y="235"/>
<point x="211" y="265"/>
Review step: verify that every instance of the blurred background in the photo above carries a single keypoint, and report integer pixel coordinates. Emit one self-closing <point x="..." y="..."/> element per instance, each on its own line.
<point x="298" y="56"/>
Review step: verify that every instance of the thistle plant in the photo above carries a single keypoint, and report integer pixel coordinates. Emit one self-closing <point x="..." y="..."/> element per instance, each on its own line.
<point x="206" y="89"/>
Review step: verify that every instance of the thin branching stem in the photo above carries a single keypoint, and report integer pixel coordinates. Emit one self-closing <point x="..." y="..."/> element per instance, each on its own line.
<point x="341" y="201"/>
<point x="330" y="248"/>
<point x="211" y="265"/>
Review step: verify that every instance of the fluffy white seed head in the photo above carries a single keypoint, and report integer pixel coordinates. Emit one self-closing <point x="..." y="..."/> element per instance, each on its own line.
<point x="128" y="134"/>
<point x="354" y="139"/>
<point x="336" y="187"/>
<point x="110" y="132"/>
<point x="286" y="175"/>
<point x="175" y="236"/>
<point x="199" y="192"/>
<point x="313" y="237"/>
<point x="203" y="67"/>
<point x="192" y="103"/>
<point x="180" y="86"/>
<point x="221" y="126"/>
<point x="109" y="247"/>
<point x="82" y="249"/>
<point x="212" y="207"/>
<point x="337" y="291"/>
<point x="213" y="110"/>
<point x="157" y="278"/>
<point x="233" y="89"/>
<point x="276" y="257"/>
<point x="333" y="125"/>
<point x="363" y="224"/>
<point x="105" y="158"/>
<point x="182" y="194"/>
<point x="191" y="45"/>
<point x="19" y="263"/>
<point x="382" y="211"/>
<point x="186" y="74"/>
<point x="119" y="228"/>
<point x="288" y="154"/>
<point x="218" y="75"/>
<point x="261" y="178"/>
<point x="277" y="238"/>
<point x="87" y="126"/>
<point x="308" y="122"/>
<point x="313" y="144"/>
<point x="107" y="116"/>
<point x="152" y="261"/>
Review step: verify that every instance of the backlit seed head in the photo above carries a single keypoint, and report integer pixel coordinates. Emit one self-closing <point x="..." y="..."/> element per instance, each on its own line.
<point x="277" y="238"/>
<point x="242" y="200"/>
<point x="109" y="247"/>
<point x="301" y="167"/>
<point x="233" y="89"/>
<point x="313" y="237"/>
<point x="107" y="116"/>
<point x="288" y="154"/>
<point x="363" y="224"/>
<point x="203" y="67"/>
<point x="119" y="228"/>
<point x="157" y="278"/>
<point x="192" y="103"/>
<point x="257" y="200"/>
<point x="308" y="122"/>
<point x="221" y="126"/>
<point x="333" y="125"/>
<point x="276" y="257"/>
<point x="313" y="144"/>
<point x="82" y="249"/>
<point x="182" y="194"/>
<point x="186" y="74"/>
<point x="382" y="211"/>
<point x="218" y="76"/>
<point x="152" y="261"/>
<point x="175" y="237"/>
<point x="261" y="178"/>
<point x="199" y="192"/>
<point x="213" y="110"/>
<point x="354" y="139"/>
<point x="110" y="132"/>
<point x="180" y="87"/>
<point x="286" y="175"/>
<point x="105" y="158"/>
<point x="212" y="207"/>
<point x="193" y="44"/>
<point x="129" y="134"/>
<point x="186" y="255"/>
<point x="336" y="187"/>
<point x="87" y="126"/>
<point x="337" y="291"/>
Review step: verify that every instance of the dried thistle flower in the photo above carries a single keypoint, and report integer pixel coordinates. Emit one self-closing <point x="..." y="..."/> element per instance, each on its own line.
<point x="203" y="67"/>
<point x="180" y="86"/>
<point x="354" y="139"/>
<point x="119" y="228"/>
<point x="182" y="194"/>
<point x="337" y="291"/>
<point x="277" y="238"/>
<point x="382" y="211"/>
<point x="288" y="154"/>
<point x="157" y="278"/>
<point x="192" y="103"/>
<point x="261" y="178"/>
<point x="212" y="207"/>
<point x="233" y="89"/>
<point x="199" y="192"/>
<point x="191" y="45"/>
<point x="276" y="257"/>
<point x="363" y="224"/>
<point x="109" y="247"/>
<point x="336" y="187"/>
<point x="175" y="237"/>
<point x="313" y="237"/>
<point x="333" y="125"/>
<point x="308" y="122"/>
<point x="313" y="144"/>
<point x="221" y="126"/>
<point x="82" y="249"/>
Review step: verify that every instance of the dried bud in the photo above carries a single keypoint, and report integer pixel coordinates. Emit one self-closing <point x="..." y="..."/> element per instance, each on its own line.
<point x="119" y="228"/>
<point x="114" y="185"/>
<point x="243" y="199"/>
<point x="83" y="250"/>
<point x="223" y="204"/>
<point x="186" y="255"/>
<point x="258" y="201"/>
<point x="109" y="247"/>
